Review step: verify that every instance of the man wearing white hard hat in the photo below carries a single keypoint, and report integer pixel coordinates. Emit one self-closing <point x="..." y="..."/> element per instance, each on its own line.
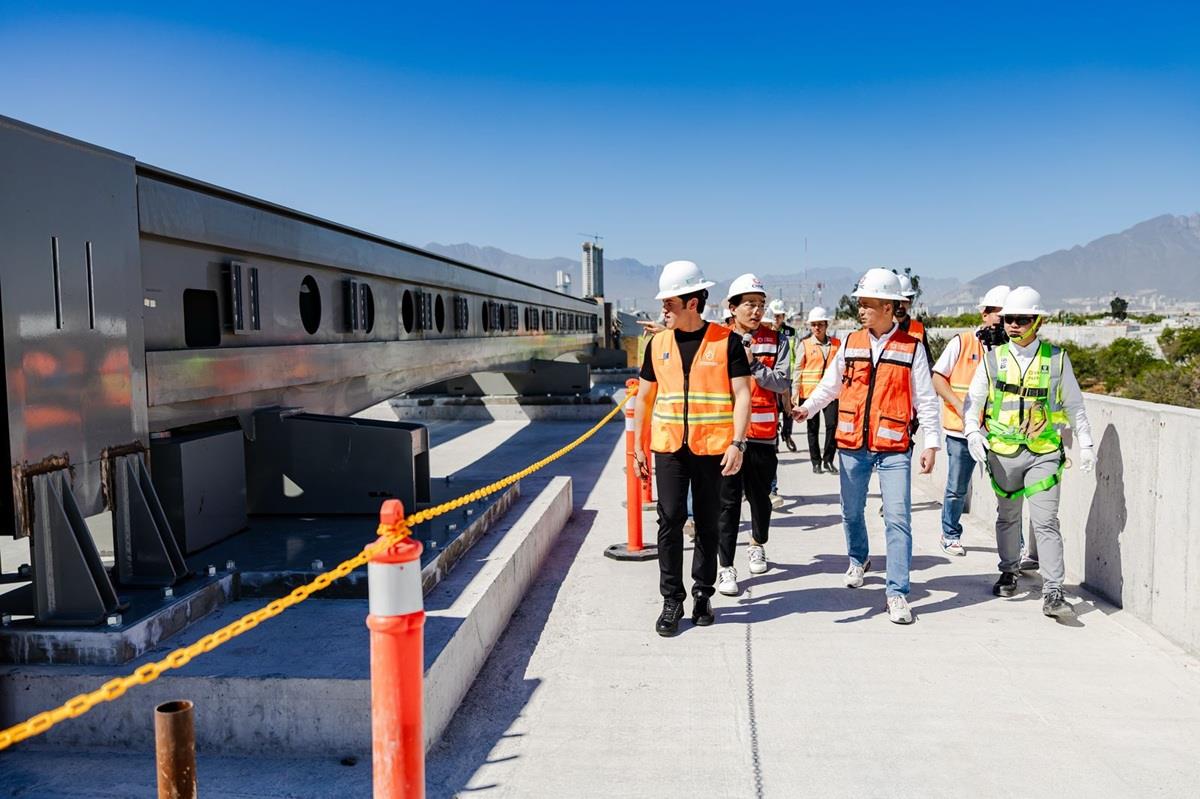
<point x="1013" y="415"/>
<point x="779" y="323"/>
<point x="952" y="375"/>
<point x="815" y="353"/>
<point x="879" y="377"/>
<point x="694" y="393"/>
<point x="767" y="352"/>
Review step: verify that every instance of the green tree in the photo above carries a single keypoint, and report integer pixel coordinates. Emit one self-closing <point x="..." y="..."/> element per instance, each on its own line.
<point x="1177" y="385"/>
<point x="1179" y="345"/>
<point x="1119" y="308"/>
<point x="847" y="308"/>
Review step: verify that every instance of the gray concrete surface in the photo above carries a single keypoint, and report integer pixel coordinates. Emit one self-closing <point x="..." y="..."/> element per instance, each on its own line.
<point x="803" y="688"/>
<point x="467" y="614"/>
<point x="1132" y="528"/>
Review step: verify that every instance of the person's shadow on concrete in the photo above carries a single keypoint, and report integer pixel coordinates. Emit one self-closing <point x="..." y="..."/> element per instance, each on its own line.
<point x="861" y="603"/>
<point x="1107" y="517"/>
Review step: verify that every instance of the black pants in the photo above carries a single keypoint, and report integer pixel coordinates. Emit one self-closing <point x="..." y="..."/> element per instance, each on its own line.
<point x="673" y="474"/>
<point x="814" y="439"/>
<point x="786" y="420"/>
<point x="754" y="480"/>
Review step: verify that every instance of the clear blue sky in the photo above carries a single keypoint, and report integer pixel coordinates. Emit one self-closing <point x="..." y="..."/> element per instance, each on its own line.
<point x="949" y="138"/>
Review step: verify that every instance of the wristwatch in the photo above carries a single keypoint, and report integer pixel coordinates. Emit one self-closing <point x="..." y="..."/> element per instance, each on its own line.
<point x="741" y="445"/>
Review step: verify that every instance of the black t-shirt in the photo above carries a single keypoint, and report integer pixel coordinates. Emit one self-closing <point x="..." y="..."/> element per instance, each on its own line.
<point x="689" y="345"/>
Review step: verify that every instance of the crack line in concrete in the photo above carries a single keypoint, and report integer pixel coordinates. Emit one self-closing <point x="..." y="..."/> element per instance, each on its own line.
<point x="755" y="759"/>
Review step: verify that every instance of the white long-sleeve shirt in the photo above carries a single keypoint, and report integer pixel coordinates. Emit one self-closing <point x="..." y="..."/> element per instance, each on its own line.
<point x="925" y="399"/>
<point x="977" y="394"/>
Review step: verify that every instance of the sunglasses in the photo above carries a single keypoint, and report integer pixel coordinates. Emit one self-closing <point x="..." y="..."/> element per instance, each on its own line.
<point x="1019" y="320"/>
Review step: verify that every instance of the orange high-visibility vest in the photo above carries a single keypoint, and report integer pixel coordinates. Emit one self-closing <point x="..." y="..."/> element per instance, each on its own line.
<point x="970" y="355"/>
<point x="696" y="409"/>
<point x="813" y="363"/>
<point x="915" y="329"/>
<point x="764" y="404"/>
<point x="876" y="403"/>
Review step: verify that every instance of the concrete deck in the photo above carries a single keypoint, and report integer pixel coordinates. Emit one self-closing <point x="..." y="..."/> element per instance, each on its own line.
<point x="801" y="688"/>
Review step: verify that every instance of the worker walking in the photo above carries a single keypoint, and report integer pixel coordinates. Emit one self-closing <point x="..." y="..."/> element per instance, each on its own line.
<point x="695" y="389"/>
<point x="768" y="356"/>
<point x="879" y="377"/>
<point x="908" y="324"/>
<point x="952" y="375"/>
<point x="1015" y="408"/>
<point x="779" y="323"/>
<point x="815" y="353"/>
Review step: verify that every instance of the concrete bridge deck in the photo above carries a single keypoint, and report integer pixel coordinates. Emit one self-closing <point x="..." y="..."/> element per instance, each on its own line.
<point x="801" y="688"/>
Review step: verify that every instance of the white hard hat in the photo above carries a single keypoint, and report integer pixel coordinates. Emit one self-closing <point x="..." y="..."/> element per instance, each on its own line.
<point x="906" y="286"/>
<point x="879" y="284"/>
<point x="995" y="297"/>
<point x="679" y="278"/>
<point x="818" y="314"/>
<point x="726" y="314"/>
<point x="1023" y="300"/>
<point x="745" y="284"/>
<point x="777" y="307"/>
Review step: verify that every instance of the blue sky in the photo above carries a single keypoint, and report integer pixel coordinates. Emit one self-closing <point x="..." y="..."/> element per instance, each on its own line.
<point x="951" y="138"/>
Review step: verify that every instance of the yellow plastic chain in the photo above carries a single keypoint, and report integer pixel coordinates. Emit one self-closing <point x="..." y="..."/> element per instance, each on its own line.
<point x="389" y="534"/>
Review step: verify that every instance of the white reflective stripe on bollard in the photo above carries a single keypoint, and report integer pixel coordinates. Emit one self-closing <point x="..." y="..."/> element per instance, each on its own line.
<point x="394" y="589"/>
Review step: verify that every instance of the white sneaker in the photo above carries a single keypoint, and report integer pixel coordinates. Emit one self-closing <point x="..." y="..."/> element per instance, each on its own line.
<point x="897" y="609"/>
<point x="776" y="501"/>
<point x="758" y="559"/>
<point x="855" y="574"/>
<point x="953" y="547"/>
<point x="689" y="529"/>
<point x="727" y="581"/>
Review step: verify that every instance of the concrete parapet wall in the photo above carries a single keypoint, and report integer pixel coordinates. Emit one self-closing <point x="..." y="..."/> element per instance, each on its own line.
<point x="1132" y="528"/>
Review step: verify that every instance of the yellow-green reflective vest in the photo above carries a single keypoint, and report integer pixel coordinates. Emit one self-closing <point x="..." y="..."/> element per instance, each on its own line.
<point x="1025" y="410"/>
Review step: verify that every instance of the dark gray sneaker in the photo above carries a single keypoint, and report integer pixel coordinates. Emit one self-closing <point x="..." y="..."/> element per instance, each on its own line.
<point x="668" y="621"/>
<point x="1054" y="606"/>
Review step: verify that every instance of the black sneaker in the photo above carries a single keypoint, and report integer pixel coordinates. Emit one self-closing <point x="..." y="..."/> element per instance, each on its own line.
<point x="702" y="614"/>
<point x="791" y="445"/>
<point x="668" y="621"/>
<point x="830" y="468"/>
<point x="1054" y="606"/>
<point x="816" y="468"/>
<point x="1006" y="585"/>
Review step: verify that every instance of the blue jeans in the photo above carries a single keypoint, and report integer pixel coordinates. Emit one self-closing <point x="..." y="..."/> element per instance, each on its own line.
<point x="895" y="470"/>
<point x="958" y="484"/>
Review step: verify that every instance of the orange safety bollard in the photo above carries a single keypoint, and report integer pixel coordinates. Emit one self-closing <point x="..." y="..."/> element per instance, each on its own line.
<point x="633" y="548"/>
<point x="396" y="620"/>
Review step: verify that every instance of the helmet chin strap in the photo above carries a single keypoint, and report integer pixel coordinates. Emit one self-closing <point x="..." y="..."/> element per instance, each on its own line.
<point x="1033" y="331"/>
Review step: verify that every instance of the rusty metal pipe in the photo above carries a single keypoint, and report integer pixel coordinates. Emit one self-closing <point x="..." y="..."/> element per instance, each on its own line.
<point x="175" y="750"/>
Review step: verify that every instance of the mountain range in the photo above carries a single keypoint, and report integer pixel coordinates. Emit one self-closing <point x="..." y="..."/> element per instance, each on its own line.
<point x="1160" y="256"/>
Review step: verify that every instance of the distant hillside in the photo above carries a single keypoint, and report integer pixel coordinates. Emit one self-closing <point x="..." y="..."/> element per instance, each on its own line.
<point x="623" y="277"/>
<point x="1159" y="256"/>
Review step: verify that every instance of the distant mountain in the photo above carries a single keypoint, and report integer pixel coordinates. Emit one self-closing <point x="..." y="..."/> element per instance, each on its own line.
<point x="1156" y="258"/>
<point x="1160" y="256"/>
<point x="623" y="277"/>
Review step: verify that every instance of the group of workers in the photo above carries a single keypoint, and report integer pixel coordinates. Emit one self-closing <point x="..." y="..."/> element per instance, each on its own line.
<point x="718" y="399"/>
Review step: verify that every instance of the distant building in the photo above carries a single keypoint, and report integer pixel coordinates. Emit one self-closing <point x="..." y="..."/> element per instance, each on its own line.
<point x="593" y="270"/>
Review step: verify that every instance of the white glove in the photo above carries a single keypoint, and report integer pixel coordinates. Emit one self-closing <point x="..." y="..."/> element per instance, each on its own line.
<point x="978" y="447"/>
<point x="1087" y="460"/>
